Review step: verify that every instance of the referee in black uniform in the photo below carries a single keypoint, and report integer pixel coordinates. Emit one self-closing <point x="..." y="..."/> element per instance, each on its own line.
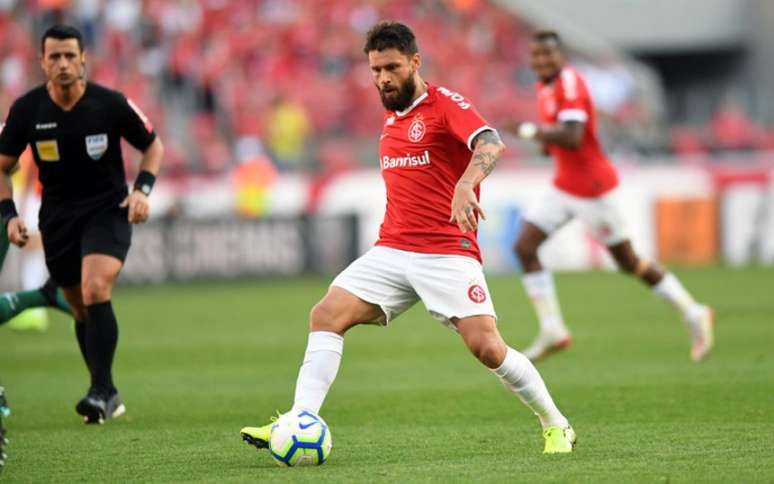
<point x="74" y="128"/>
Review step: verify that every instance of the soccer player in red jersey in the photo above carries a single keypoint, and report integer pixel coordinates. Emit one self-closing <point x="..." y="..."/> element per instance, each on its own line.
<point x="584" y="187"/>
<point x="427" y="248"/>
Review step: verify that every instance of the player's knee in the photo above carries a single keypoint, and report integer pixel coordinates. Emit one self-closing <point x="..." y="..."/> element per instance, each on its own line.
<point x="325" y="317"/>
<point x="489" y="350"/>
<point x="96" y="289"/>
<point x="526" y="251"/>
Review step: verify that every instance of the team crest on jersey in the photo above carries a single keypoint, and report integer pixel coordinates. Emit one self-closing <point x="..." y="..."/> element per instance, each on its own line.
<point x="417" y="129"/>
<point x="477" y="294"/>
<point x="96" y="145"/>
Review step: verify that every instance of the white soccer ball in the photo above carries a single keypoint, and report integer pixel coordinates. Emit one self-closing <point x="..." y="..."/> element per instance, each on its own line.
<point x="300" y="438"/>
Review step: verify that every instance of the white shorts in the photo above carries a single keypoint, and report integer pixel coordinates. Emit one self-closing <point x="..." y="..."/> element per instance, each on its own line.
<point x="450" y="286"/>
<point x="602" y="214"/>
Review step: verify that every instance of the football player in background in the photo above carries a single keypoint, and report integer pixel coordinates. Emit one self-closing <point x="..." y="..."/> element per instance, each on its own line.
<point x="584" y="187"/>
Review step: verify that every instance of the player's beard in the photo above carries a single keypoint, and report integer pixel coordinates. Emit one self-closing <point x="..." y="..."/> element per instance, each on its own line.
<point x="404" y="96"/>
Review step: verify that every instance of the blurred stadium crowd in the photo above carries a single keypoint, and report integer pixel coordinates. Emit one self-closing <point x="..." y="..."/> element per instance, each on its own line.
<point x="286" y="81"/>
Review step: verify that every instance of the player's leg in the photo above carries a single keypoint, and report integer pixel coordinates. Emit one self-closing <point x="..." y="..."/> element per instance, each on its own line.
<point x="604" y="216"/>
<point x="72" y="296"/>
<point x="99" y="272"/>
<point x="329" y="319"/>
<point x="24" y="310"/>
<point x="454" y="291"/>
<point x="542" y="220"/>
<point x="105" y="242"/>
<point x="667" y="286"/>
<point x="373" y="289"/>
<point x="518" y="375"/>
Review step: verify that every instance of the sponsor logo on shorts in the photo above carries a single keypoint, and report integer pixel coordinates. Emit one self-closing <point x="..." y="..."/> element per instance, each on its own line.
<point x="96" y="145"/>
<point x="417" y="129"/>
<point x="408" y="161"/>
<point x="477" y="294"/>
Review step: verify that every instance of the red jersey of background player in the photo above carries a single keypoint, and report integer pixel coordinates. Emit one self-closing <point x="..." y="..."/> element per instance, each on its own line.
<point x="423" y="152"/>
<point x="584" y="171"/>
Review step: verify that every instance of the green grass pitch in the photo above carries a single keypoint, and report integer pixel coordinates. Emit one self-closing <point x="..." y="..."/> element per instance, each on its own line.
<point x="198" y="362"/>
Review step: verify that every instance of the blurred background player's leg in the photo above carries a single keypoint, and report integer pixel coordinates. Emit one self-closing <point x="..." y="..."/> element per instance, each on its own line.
<point x="698" y="317"/>
<point x="553" y="334"/>
<point x="26" y="309"/>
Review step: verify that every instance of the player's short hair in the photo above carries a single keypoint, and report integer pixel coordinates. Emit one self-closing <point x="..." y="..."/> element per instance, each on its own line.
<point x="547" y="36"/>
<point x="391" y="35"/>
<point x="61" y="32"/>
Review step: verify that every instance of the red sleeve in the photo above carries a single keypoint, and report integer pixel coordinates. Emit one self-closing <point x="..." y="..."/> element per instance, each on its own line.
<point x="572" y="99"/>
<point x="462" y="119"/>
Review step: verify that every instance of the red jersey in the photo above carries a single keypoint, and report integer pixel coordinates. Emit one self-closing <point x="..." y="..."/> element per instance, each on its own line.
<point x="423" y="152"/>
<point x="585" y="171"/>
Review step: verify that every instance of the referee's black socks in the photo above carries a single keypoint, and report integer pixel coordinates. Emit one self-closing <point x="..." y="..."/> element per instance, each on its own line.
<point x="80" y="335"/>
<point x="101" y="341"/>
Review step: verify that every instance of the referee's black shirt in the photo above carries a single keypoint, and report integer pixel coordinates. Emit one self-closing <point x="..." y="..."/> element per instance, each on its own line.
<point x="78" y="152"/>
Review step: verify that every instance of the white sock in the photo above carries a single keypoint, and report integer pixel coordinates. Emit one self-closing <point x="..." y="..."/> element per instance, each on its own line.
<point x="671" y="290"/>
<point x="519" y="375"/>
<point x="321" y="363"/>
<point x="542" y="292"/>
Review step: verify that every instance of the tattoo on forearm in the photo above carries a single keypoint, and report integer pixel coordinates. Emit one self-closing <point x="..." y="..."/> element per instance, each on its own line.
<point x="483" y="158"/>
<point x="485" y="161"/>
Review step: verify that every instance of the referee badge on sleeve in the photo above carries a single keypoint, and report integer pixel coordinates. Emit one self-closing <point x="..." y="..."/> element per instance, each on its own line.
<point x="96" y="145"/>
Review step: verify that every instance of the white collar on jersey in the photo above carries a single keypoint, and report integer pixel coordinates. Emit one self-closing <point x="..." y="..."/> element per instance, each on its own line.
<point x="418" y="100"/>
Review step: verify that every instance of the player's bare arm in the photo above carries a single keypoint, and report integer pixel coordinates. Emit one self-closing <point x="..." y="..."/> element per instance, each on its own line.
<point x="17" y="230"/>
<point x="464" y="207"/>
<point x="568" y="134"/>
<point x="137" y="201"/>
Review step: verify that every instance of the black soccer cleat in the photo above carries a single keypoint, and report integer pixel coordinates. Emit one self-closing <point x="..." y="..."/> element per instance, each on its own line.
<point x="96" y="407"/>
<point x="4" y="412"/>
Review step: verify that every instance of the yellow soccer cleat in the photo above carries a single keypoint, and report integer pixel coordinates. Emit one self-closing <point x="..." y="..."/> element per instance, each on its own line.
<point x="258" y="437"/>
<point x="34" y="319"/>
<point x="559" y="440"/>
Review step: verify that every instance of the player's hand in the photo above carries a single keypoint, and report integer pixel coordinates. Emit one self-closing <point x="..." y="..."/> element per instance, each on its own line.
<point x="17" y="232"/>
<point x="465" y="209"/>
<point x="138" y="205"/>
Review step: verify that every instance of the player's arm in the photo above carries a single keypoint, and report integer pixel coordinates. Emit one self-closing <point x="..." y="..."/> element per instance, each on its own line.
<point x="150" y="164"/>
<point x="488" y="148"/>
<point x="16" y="229"/>
<point x="568" y="134"/>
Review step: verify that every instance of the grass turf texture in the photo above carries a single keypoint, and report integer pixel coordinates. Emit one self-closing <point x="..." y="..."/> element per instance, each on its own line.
<point x="198" y="362"/>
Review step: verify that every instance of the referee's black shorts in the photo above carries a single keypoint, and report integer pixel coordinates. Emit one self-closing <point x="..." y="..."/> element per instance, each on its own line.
<point x="70" y="235"/>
